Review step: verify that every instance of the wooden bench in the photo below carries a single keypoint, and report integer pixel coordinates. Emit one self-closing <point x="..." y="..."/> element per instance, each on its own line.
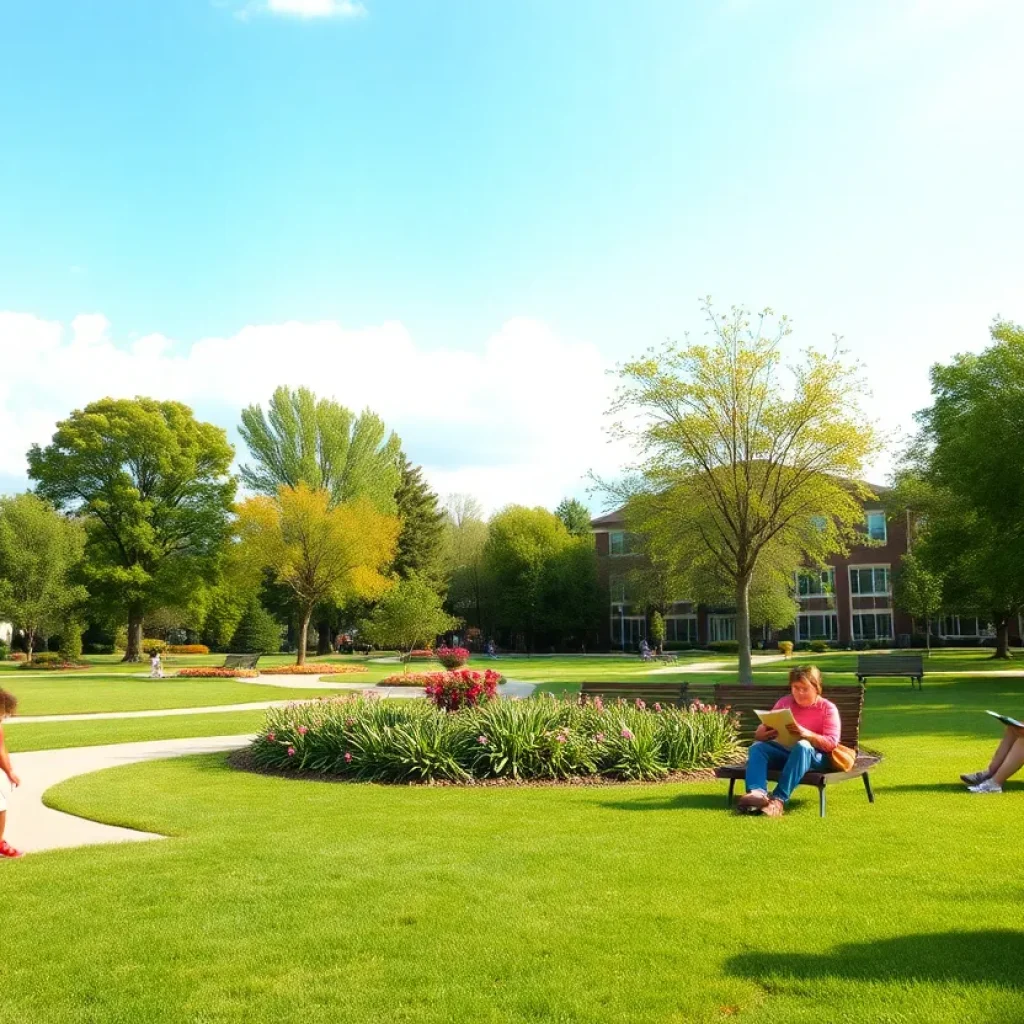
<point x="869" y="665"/>
<point x="848" y="699"/>
<point x="241" y="660"/>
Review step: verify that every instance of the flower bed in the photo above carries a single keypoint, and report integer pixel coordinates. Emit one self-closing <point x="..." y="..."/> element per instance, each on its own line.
<point x="217" y="672"/>
<point x="427" y="678"/>
<point x="419" y="655"/>
<point x="53" y="666"/>
<point x="187" y="649"/>
<point x="452" y="657"/>
<point x="368" y="739"/>
<point x="312" y="669"/>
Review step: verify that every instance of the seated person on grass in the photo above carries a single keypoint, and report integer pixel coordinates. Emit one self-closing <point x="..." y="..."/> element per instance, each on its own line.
<point x="818" y="728"/>
<point x="1007" y="760"/>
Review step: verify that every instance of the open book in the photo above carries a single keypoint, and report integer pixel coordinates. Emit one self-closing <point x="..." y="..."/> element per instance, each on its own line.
<point x="778" y="720"/>
<point x="1005" y="719"/>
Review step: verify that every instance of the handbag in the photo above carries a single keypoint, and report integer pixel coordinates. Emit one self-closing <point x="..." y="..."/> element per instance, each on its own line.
<point x="843" y="758"/>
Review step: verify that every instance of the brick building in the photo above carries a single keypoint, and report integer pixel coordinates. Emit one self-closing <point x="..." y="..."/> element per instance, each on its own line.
<point x="850" y="601"/>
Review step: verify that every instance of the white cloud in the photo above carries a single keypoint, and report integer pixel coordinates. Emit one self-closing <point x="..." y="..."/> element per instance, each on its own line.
<point x="317" y="8"/>
<point x="520" y="419"/>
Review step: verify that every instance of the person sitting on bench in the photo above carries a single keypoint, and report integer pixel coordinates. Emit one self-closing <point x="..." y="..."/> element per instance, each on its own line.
<point x="646" y="654"/>
<point x="1007" y="760"/>
<point x="818" y="728"/>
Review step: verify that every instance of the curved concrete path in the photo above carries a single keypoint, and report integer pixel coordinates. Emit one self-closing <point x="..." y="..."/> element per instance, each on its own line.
<point x="32" y="826"/>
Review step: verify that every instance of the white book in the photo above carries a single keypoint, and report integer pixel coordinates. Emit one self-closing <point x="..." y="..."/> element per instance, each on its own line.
<point x="778" y="720"/>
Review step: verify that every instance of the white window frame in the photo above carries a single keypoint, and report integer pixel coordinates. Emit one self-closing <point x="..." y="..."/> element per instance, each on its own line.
<point x="831" y="593"/>
<point x="715" y="621"/>
<point x="618" y="621"/>
<point x="872" y="611"/>
<point x="625" y="543"/>
<point x="884" y="539"/>
<point x="874" y="593"/>
<point x="799" y="633"/>
<point x="682" y="618"/>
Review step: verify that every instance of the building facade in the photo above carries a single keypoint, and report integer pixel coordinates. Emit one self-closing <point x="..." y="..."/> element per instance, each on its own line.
<point x="850" y="602"/>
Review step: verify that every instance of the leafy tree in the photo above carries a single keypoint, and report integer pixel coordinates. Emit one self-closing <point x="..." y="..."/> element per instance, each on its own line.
<point x="657" y="629"/>
<point x="321" y="551"/>
<point x="408" y="615"/>
<point x="575" y="516"/>
<point x="151" y="483"/>
<point x="71" y="640"/>
<point x="465" y="535"/>
<point x="258" y="631"/>
<point x="734" y="466"/>
<point x="314" y="441"/>
<point x="570" y="596"/>
<point x="963" y="479"/>
<point x="421" y="542"/>
<point x="918" y="591"/>
<point x="40" y="552"/>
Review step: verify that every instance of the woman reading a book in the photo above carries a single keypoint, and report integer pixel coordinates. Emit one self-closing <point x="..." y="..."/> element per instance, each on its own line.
<point x="811" y="737"/>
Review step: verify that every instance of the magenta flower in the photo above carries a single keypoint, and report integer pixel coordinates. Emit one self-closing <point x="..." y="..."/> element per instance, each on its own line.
<point x="303" y="730"/>
<point x="482" y="740"/>
<point x="271" y="737"/>
<point x="348" y="757"/>
<point x="291" y="751"/>
<point x="657" y="707"/>
<point x="626" y="734"/>
<point x="561" y="737"/>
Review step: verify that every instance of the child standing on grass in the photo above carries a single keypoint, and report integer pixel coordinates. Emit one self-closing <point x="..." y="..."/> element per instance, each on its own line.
<point x="8" y="705"/>
<point x="156" y="670"/>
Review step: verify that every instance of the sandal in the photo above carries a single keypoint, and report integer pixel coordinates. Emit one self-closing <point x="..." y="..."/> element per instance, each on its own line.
<point x="774" y="808"/>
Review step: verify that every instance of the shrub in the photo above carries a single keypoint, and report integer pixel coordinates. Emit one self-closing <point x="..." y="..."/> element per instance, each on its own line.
<point x="724" y="646"/>
<point x="153" y="646"/>
<point x="187" y="649"/>
<point x="47" y="658"/>
<point x="418" y="655"/>
<point x="217" y="672"/>
<point x="5" y="651"/>
<point x="365" y="738"/>
<point x="49" y="661"/>
<point x="422" y="678"/>
<point x="819" y="646"/>
<point x="258" y="631"/>
<point x="18" y="656"/>
<point x="312" y="669"/>
<point x="71" y="643"/>
<point x="786" y="647"/>
<point x="451" y="691"/>
<point x="98" y="648"/>
<point x="452" y="657"/>
<point x="121" y="638"/>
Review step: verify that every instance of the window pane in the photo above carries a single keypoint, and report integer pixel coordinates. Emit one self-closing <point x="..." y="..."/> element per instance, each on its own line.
<point x="876" y="526"/>
<point x="615" y="539"/>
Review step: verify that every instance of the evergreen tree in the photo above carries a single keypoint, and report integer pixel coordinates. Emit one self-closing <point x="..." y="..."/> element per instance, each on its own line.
<point x="575" y="515"/>
<point x="421" y="548"/>
<point x="258" y="631"/>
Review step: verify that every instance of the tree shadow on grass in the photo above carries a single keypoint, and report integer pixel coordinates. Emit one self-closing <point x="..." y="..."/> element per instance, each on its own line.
<point x="965" y="958"/>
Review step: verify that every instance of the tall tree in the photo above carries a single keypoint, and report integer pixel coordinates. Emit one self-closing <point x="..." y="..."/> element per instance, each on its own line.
<point x="40" y="552"/>
<point x="421" y="543"/>
<point x="733" y="463"/>
<point x="302" y="439"/>
<point x="575" y="516"/>
<point x="321" y="551"/>
<point x="408" y="614"/>
<point x="918" y="591"/>
<point x="465" y="535"/>
<point x="963" y="478"/>
<point x="571" y="598"/>
<point x="151" y="483"/>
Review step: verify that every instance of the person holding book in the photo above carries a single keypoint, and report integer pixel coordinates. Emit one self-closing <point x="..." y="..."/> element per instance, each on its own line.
<point x="1007" y="760"/>
<point x="811" y="738"/>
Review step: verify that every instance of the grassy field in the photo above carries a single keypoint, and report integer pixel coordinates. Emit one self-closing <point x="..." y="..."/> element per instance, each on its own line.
<point x="283" y="900"/>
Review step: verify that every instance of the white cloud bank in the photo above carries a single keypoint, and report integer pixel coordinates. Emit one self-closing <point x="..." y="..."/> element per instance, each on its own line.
<point x="519" y="420"/>
<point x="317" y="8"/>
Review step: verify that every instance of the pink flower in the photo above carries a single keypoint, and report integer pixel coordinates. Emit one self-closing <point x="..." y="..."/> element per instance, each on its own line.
<point x="348" y="757"/>
<point x="626" y="734"/>
<point x="271" y="737"/>
<point x="599" y="738"/>
<point x="657" y="707"/>
<point x="561" y="737"/>
<point x="303" y="730"/>
<point x="482" y="740"/>
<point x="291" y="751"/>
<point x="640" y="704"/>
<point x="598" y="703"/>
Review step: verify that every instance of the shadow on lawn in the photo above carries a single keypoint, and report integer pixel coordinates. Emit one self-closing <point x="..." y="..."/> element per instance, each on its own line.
<point x="676" y="802"/>
<point x="965" y="958"/>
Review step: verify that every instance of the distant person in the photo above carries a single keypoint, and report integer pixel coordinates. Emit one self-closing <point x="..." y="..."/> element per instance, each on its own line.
<point x="8" y="706"/>
<point x="156" y="669"/>
<point x="818" y="727"/>
<point x="492" y="651"/>
<point x="645" y="650"/>
<point x="1007" y="760"/>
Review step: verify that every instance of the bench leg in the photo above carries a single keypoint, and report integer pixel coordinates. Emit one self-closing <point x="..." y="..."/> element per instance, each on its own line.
<point x="728" y="799"/>
<point x="867" y="786"/>
<point x="821" y="801"/>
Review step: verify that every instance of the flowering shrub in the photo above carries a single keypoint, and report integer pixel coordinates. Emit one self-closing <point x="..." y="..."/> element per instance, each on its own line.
<point x="187" y="649"/>
<point x="453" y="690"/>
<point x="312" y="669"/>
<point x="418" y="655"/>
<point x="786" y="648"/>
<point x="18" y="656"/>
<point x="152" y="647"/>
<point x="217" y="672"/>
<point x="364" y="737"/>
<point x="452" y="657"/>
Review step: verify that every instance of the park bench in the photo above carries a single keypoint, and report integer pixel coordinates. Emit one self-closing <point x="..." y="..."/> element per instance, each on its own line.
<point x="891" y="665"/>
<point x="667" y="657"/>
<point x="849" y="700"/>
<point x="241" y="660"/>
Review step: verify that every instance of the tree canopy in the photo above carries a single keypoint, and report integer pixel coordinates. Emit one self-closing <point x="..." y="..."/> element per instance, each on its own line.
<point x="736" y="465"/>
<point x="575" y="516"/>
<point x="409" y="614"/>
<point x="420" y="548"/>
<point x="465" y="535"/>
<point x="151" y="483"/>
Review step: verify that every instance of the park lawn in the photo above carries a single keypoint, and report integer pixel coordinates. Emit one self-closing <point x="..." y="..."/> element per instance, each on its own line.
<point x="88" y="694"/>
<point x="288" y="900"/>
<point x="112" y="663"/>
<point x="23" y="737"/>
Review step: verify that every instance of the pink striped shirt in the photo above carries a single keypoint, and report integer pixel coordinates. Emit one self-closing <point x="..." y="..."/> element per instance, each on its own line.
<point x="821" y="717"/>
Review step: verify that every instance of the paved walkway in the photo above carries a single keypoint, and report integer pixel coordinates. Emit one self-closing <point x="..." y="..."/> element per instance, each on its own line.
<point x="31" y="826"/>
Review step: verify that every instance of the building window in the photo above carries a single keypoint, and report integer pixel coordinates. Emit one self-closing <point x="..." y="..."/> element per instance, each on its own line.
<point x="870" y="581"/>
<point x="721" y="627"/>
<point x="876" y="527"/>
<point x="621" y="543"/>
<point x="872" y="625"/>
<point x="816" y="627"/>
<point x="681" y="628"/>
<point x="631" y="627"/>
<point x="815" y="583"/>
<point x="963" y="626"/>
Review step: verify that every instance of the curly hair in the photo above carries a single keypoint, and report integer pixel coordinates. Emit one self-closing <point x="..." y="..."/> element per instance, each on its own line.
<point x="8" y="704"/>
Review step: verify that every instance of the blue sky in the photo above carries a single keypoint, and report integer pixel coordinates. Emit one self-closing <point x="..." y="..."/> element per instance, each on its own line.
<point x="462" y="213"/>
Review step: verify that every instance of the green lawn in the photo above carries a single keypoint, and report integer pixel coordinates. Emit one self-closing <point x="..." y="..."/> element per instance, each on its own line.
<point x="284" y="900"/>
<point x="86" y="693"/>
<point x="112" y="663"/>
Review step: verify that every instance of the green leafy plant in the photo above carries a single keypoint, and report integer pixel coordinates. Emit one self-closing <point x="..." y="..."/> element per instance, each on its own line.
<point x="786" y="648"/>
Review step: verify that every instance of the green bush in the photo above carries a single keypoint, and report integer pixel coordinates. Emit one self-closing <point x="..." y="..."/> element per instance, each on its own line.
<point x="71" y="643"/>
<point x="412" y="741"/>
<point x="819" y="646"/>
<point x="786" y="648"/>
<point x="258" y="631"/>
<point x="657" y="630"/>
<point x="724" y="646"/>
<point x="5" y="651"/>
<point x="153" y="646"/>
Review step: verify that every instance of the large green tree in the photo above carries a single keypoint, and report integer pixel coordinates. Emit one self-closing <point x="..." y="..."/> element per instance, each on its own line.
<point x="465" y="535"/>
<point x="40" y="553"/>
<point x="962" y="479"/>
<point x="409" y="614"/>
<point x="575" y="515"/>
<point x="420" y="549"/>
<point x="737" y="464"/>
<point x="918" y="590"/>
<point x="151" y="483"/>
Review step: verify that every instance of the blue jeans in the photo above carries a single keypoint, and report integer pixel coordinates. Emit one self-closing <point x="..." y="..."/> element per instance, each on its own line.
<point x="794" y="762"/>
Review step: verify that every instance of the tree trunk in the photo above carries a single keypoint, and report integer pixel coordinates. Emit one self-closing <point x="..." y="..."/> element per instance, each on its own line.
<point x="133" y="651"/>
<point x="303" y="636"/>
<point x="1002" y="637"/>
<point x="746" y="671"/>
<point x="927" y="637"/>
<point x="30" y="644"/>
<point x="323" y="638"/>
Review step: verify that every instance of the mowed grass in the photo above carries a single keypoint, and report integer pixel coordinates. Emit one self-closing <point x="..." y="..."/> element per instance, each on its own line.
<point x="112" y="663"/>
<point x="22" y="737"/>
<point x="285" y="900"/>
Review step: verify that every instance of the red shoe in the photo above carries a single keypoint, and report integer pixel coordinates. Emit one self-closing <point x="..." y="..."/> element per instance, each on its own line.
<point x="6" y="850"/>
